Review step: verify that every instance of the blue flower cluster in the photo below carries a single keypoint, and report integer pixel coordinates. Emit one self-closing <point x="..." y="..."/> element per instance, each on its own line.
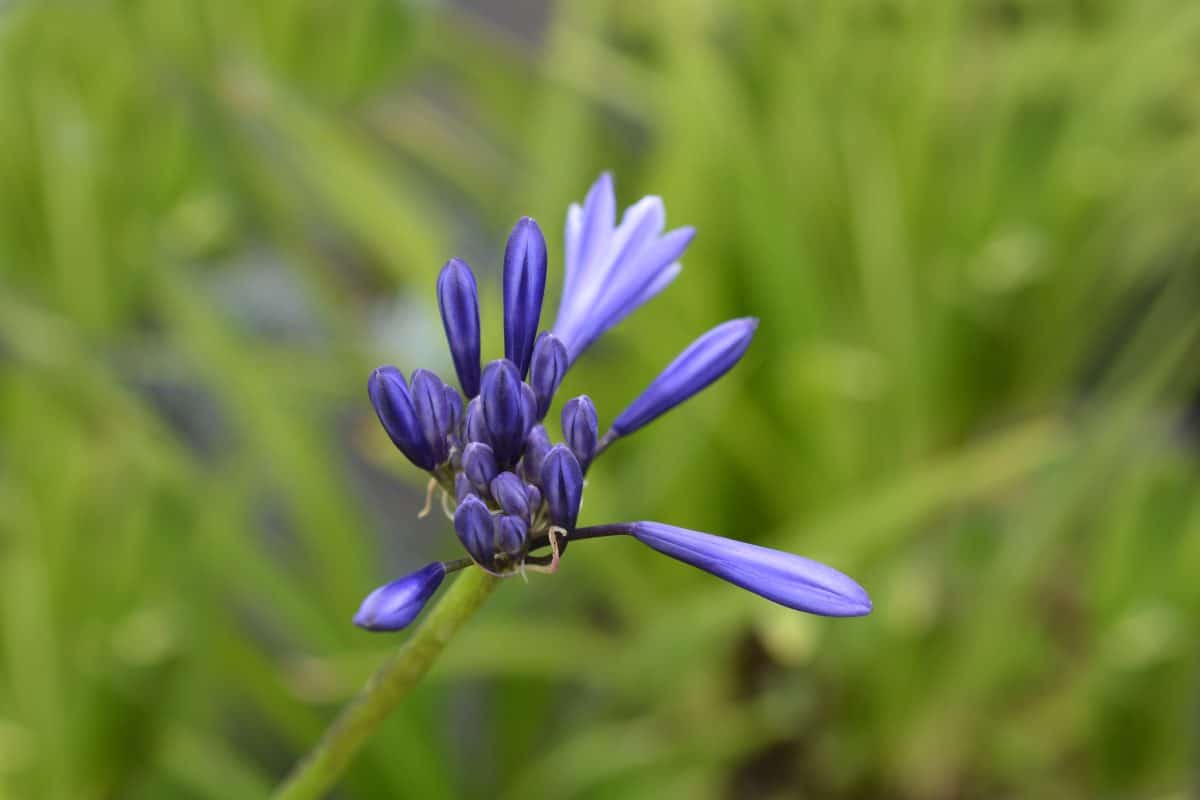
<point x="514" y="491"/>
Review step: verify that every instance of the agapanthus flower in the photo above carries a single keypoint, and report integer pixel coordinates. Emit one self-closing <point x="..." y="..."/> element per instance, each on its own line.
<point x="513" y="493"/>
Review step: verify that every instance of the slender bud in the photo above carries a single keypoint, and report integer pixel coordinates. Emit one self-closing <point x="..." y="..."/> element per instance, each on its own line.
<point x="581" y="429"/>
<point x="705" y="360"/>
<point x="509" y="493"/>
<point x="524" y="286"/>
<point x="504" y="412"/>
<point x="547" y="370"/>
<point x="394" y="406"/>
<point x="479" y="465"/>
<point x="458" y="301"/>
<point x="393" y="606"/>
<point x="562" y="485"/>
<point x="473" y="524"/>
<point x="433" y="412"/>
<point x="787" y="579"/>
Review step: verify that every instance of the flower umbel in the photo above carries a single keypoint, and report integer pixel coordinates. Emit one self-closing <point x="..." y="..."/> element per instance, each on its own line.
<point x="515" y="492"/>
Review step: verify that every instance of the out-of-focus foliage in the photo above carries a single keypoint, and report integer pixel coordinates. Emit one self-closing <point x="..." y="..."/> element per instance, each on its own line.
<point x="970" y="229"/>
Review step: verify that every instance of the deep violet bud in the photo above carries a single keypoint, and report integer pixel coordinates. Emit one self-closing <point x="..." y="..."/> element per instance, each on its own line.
<point x="455" y="402"/>
<point x="474" y="424"/>
<point x="581" y="428"/>
<point x="393" y="606"/>
<point x="504" y="412"/>
<point x="510" y="536"/>
<point x="524" y="286"/>
<point x="509" y="493"/>
<point x="394" y="406"/>
<point x="547" y="370"/>
<point x="562" y="485"/>
<point x="458" y="300"/>
<point x="473" y="524"/>
<point x="433" y="412"/>
<point x="787" y="579"/>
<point x="479" y="465"/>
<point x="705" y="360"/>
<point x="537" y="445"/>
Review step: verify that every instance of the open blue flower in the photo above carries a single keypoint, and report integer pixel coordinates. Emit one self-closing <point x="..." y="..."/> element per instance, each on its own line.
<point x="613" y="269"/>
<point x="514" y="491"/>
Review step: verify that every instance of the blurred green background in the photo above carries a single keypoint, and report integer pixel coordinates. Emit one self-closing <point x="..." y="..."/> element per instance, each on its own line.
<point x="971" y="230"/>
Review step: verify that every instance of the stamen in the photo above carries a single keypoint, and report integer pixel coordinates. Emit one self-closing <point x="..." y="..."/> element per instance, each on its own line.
<point x="424" y="512"/>
<point x="449" y="512"/>
<point x="552" y="567"/>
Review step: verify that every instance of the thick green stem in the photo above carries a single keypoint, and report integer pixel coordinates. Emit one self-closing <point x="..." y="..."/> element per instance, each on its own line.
<point x="321" y="768"/>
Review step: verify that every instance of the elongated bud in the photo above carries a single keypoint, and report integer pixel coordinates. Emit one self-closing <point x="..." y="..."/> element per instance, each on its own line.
<point x="510" y="537"/>
<point x="394" y="406"/>
<point x="524" y="287"/>
<point x="473" y="524"/>
<point x="504" y="411"/>
<point x="537" y="445"/>
<point x="509" y="493"/>
<point x="581" y="429"/>
<point x="434" y="412"/>
<point x="562" y="486"/>
<point x="458" y="301"/>
<point x="547" y="370"/>
<point x="787" y="579"/>
<point x="393" y="606"/>
<point x="705" y="360"/>
<point x="479" y="465"/>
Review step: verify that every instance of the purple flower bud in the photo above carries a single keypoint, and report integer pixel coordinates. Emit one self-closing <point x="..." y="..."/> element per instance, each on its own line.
<point x="433" y="412"/>
<point x="394" y="406"/>
<point x="705" y="360"/>
<point x="473" y="524"/>
<point x="581" y="428"/>
<point x="504" y="411"/>
<point x="458" y="301"/>
<point x="562" y="485"/>
<point x="528" y="409"/>
<point x="533" y="496"/>
<point x="547" y="370"/>
<point x="479" y="465"/>
<point x="393" y="606"/>
<point x="509" y="493"/>
<point x="510" y="537"/>
<point x="455" y="402"/>
<point x="462" y="487"/>
<point x="524" y="286"/>
<point x="537" y="445"/>
<point x="787" y="579"/>
<point x="474" y="424"/>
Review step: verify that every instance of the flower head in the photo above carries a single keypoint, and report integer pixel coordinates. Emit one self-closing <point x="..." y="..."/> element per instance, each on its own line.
<point x="613" y="269"/>
<point x="514" y="491"/>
